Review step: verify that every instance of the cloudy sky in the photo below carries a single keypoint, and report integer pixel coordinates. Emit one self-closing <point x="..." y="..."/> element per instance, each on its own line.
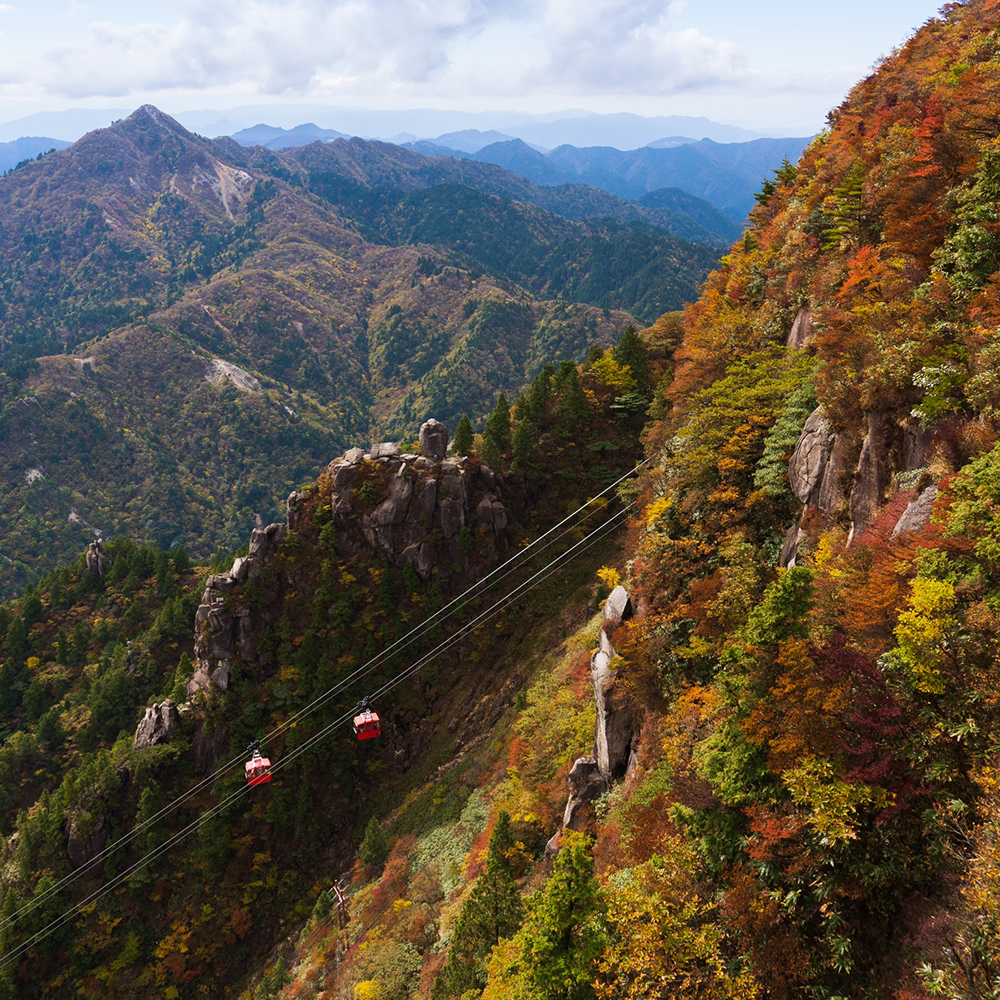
<point x="775" y="65"/>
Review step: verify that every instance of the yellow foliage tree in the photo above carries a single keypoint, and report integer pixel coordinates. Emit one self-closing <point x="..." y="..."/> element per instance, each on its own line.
<point x="923" y="632"/>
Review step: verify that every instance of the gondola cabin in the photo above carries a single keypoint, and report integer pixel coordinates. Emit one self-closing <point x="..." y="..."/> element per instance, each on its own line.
<point x="367" y="725"/>
<point x="258" y="769"/>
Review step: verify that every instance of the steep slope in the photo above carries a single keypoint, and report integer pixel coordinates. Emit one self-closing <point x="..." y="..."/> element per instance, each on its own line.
<point x="370" y="555"/>
<point x="804" y="802"/>
<point x="818" y="648"/>
<point x="811" y="807"/>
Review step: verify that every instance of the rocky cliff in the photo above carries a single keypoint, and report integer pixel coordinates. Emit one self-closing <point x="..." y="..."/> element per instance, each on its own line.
<point x="424" y="511"/>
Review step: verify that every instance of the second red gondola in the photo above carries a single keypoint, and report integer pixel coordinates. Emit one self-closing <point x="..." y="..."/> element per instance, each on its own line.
<point x="367" y="725"/>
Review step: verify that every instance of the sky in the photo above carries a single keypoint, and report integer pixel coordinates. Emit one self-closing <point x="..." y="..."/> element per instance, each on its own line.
<point x="775" y="66"/>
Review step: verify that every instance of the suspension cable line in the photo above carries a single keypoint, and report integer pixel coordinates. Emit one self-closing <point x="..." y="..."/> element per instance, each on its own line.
<point x="457" y="604"/>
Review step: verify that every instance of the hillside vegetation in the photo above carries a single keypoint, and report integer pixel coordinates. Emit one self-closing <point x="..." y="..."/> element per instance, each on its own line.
<point x="812" y="810"/>
<point x="84" y="654"/>
<point x="188" y="329"/>
<point x="804" y="801"/>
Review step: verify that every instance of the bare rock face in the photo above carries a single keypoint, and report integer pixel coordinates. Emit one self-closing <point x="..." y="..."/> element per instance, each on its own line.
<point x="586" y="785"/>
<point x="157" y="725"/>
<point x="917" y="514"/>
<point x="790" y="548"/>
<point x="422" y="512"/>
<point x="915" y="445"/>
<point x="386" y="450"/>
<point x="618" y="607"/>
<point x="433" y="440"/>
<point x="222" y="631"/>
<point x="98" y="562"/>
<point x="591" y="776"/>
<point x="393" y="510"/>
<point x="811" y="469"/>
<point x="613" y="729"/>
<point x="873" y="476"/>
<point x="801" y="332"/>
<point x="814" y="476"/>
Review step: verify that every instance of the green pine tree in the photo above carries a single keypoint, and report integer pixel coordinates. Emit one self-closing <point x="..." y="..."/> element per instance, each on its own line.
<point x="539" y="394"/>
<point x="492" y="911"/>
<point x="525" y="445"/>
<point x="491" y="454"/>
<point x="631" y="351"/>
<point x="462" y="442"/>
<point x="498" y="424"/>
<point x="572" y="408"/>
<point x="374" y="849"/>
<point x="564" y="934"/>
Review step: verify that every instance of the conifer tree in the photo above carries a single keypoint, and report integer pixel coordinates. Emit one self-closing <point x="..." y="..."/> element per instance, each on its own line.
<point x="498" y="424"/>
<point x="375" y="846"/>
<point x="554" y="955"/>
<point x="631" y="351"/>
<point x="564" y="932"/>
<point x="491" y="453"/>
<point x="539" y="394"/>
<point x="492" y="911"/>
<point x="524" y="447"/>
<point x="572" y="407"/>
<point x="462" y="442"/>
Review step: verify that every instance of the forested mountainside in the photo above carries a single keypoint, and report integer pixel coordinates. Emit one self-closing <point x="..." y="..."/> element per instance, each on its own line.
<point x="397" y="171"/>
<point x="810" y="808"/>
<point x="188" y="329"/>
<point x="379" y="583"/>
<point x="755" y="757"/>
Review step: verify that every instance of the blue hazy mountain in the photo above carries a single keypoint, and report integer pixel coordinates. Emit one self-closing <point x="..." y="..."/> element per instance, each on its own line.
<point x="26" y="148"/>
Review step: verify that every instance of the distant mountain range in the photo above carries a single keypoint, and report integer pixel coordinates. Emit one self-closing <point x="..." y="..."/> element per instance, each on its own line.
<point x="574" y="127"/>
<point x="26" y="148"/>
<point x="624" y="154"/>
<point x="189" y="327"/>
<point x="727" y="175"/>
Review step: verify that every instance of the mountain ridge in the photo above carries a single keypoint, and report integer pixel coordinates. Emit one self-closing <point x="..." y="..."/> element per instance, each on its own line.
<point x="359" y="309"/>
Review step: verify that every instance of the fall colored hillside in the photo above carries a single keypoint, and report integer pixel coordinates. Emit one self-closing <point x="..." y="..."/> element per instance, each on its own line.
<point x="189" y="329"/>
<point x="747" y="749"/>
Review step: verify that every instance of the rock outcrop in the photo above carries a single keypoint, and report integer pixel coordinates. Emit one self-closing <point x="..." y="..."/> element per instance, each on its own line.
<point x="812" y="470"/>
<point x="801" y="333"/>
<point x="98" y="562"/>
<point x="818" y="472"/>
<point x="400" y="508"/>
<point x="433" y="440"/>
<point x="222" y="628"/>
<point x="873" y="475"/>
<point x="157" y="725"/>
<point x="422" y="507"/>
<point x="591" y="776"/>
<point x="917" y="514"/>
<point x="613" y="728"/>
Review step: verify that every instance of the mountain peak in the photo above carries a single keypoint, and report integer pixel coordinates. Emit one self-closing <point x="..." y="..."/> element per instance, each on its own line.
<point x="148" y="115"/>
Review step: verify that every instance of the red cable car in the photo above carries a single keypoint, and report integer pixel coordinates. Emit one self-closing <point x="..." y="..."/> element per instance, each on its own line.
<point x="366" y="723"/>
<point x="258" y="769"/>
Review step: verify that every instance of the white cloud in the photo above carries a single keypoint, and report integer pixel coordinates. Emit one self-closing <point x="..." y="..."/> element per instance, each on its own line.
<point x="442" y="48"/>
<point x="610" y="45"/>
